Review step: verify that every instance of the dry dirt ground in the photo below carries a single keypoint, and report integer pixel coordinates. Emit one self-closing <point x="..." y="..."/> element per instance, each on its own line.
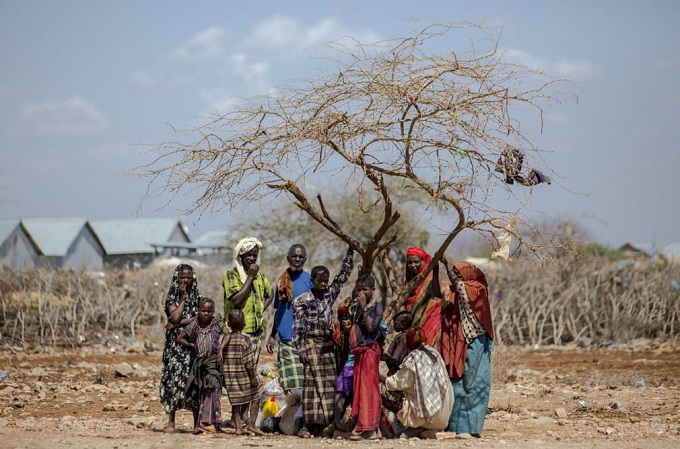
<point x="606" y="398"/>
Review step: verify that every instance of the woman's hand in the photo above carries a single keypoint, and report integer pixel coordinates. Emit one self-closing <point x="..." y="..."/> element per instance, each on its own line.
<point x="169" y="326"/>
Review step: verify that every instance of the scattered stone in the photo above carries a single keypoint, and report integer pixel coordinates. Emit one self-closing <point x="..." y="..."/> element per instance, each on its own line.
<point x="124" y="370"/>
<point x="115" y="406"/>
<point x="561" y="413"/>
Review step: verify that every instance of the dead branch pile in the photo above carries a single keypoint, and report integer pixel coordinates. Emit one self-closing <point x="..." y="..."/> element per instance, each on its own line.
<point x="586" y="301"/>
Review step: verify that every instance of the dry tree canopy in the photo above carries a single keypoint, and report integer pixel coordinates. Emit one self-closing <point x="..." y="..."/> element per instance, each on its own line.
<point x="388" y="111"/>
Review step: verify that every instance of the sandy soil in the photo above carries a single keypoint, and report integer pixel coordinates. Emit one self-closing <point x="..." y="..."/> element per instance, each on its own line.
<point x="563" y="398"/>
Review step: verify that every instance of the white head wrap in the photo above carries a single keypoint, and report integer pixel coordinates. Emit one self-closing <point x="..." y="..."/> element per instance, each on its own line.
<point x="243" y="246"/>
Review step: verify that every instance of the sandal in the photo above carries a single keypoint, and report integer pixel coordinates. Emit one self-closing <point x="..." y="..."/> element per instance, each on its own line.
<point x="329" y="430"/>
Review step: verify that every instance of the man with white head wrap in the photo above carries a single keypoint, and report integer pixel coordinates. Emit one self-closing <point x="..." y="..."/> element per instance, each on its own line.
<point x="247" y="289"/>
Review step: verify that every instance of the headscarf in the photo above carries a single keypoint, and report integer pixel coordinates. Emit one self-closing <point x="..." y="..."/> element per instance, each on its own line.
<point x="415" y="336"/>
<point x="426" y="258"/>
<point x="243" y="246"/>
<point x="453" y="346"/>
<point x="193" y="296"/>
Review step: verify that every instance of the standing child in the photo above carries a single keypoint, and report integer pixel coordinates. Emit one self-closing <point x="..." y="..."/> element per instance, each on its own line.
<point x="242" y="384"/>
<point x="343" y="351"/>
<point x="205" y="379"/>
<point x="313" y="339"/>
<point x="364" y="340"/>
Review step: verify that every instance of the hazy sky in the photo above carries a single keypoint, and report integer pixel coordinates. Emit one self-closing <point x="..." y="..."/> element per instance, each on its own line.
<point x="84" y="83"/>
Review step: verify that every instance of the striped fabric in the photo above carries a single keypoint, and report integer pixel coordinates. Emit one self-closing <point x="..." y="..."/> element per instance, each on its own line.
<point x="238" y="357"/>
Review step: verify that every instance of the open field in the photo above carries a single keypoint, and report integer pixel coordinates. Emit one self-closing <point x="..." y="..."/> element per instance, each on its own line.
<point x="613" y="397"/>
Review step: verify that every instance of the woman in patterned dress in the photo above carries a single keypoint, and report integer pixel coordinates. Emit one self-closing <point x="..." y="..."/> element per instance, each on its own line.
<point x="181" y="305"/>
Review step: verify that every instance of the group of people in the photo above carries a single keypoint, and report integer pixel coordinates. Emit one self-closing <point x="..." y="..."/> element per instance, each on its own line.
<point x="438" y="363"/>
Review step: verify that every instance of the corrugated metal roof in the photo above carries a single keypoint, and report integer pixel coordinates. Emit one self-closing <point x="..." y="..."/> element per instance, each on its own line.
<point x="213" y="238"/>
<point x="54" y="236"/>
<point x="6" y="228"/>
<point x="672" y="251"/>
<point x="135" y="235"/>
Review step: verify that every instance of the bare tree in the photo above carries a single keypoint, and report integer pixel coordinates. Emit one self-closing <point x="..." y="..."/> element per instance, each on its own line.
<point x="388" y="111"/>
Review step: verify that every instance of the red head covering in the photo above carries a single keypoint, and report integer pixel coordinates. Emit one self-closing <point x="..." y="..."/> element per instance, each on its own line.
<point x="453" y="346"/>
<point x="415" y="336"/>
<point x="426" y="258"/>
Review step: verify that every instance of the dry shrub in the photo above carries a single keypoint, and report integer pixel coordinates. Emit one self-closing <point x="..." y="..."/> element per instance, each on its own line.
<point x="589" y="300"/>
<point x="586" y="300"/>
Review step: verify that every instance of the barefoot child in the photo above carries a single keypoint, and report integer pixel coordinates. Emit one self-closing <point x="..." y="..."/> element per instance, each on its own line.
<point x="398" y="349"/>
<point x="364" y="340"/>
<point x="313" y="339"/>
<point x="205" y="379"/>
<point x="242" y="383"/>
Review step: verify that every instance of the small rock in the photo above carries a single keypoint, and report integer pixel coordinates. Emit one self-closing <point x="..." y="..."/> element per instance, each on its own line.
<point x="561" y="413"/>
<point x="124" y="370"/>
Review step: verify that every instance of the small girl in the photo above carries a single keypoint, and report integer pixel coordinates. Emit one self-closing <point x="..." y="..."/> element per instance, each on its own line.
<point x="242" y="383"/>
<point x="364" y="336"/>
<point x="205" y="379"/>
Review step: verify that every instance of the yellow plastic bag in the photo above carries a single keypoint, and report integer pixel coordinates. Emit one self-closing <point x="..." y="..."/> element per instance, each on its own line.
<point x="270" y="407"/>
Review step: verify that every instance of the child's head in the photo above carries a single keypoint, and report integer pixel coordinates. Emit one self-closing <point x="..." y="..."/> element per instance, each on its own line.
<point x="365" y="284"/>
<point x="320" y="276"/>
<point x="402" y="320"/>
<point x="237" y="320"/>
<point x="415" y="336"/>
<point x="206" y="309"/>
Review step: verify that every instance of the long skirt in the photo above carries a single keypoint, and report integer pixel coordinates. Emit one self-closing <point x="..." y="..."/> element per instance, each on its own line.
<point x="318" y="391"/>
<point x="471" y="392"/>
<point x="366" y="401"/>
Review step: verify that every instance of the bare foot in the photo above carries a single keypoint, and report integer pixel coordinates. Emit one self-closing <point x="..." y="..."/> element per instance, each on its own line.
<point x="255" y="430"/>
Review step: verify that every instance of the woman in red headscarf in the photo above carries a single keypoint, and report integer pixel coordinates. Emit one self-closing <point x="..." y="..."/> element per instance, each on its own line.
<point x="424" y="302"/>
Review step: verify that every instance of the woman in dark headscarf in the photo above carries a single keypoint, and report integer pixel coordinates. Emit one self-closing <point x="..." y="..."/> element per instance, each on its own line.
<point x="466" y="346"/>
<point x="181" y="305"/>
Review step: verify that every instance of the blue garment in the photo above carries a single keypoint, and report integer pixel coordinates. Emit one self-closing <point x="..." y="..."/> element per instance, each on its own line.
<point x="471" y="392"/>
<point x="283" y="319"/>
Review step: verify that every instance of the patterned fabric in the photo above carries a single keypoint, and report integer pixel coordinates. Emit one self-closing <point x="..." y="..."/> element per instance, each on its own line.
<point x="206" y="340"/>
<point x="314" y="315"/>
<point x="427" y="391"/>
<point x="472" y="328"/>
<point x="318" y="391"/>
<point x="473" y="390"/>
<point x="453" y="345"/>
<point x="366" y="391"/>
<point x="359" y="334"/>
<point x="431" y="380"/>
<point x="256" y="341"/>
<point x="291" y="371"/>
<point x="205" y="385"/>
<point x="177" y="359"/>
<point x="238" y="358"/>
<point x="422" y="303"/>
<point x="253" y="305"/>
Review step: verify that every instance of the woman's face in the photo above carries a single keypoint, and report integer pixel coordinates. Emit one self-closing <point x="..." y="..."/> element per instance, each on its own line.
<point x="185" y="278"/>
<point x="413" y="264"/>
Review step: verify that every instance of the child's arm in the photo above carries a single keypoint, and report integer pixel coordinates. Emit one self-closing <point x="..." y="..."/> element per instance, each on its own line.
<point x="226" y="338"/>
<point x="182" y="339"/>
